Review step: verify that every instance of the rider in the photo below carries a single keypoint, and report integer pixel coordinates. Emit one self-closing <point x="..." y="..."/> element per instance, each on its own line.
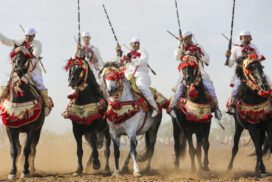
<point x="34" y="48"/>
<point x="238" y="53"/>
<point x="138" y="67"/>
<point x="186" y="46"/>
<point x="91" y="54"/>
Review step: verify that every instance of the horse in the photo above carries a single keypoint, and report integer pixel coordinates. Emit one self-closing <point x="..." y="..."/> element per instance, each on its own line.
<point x="128" y="115"/>
<point x="253" y="110"/>
<point x="85" y="110"/>
<point x="193" y="116"/>
<point x="22" y="111"/>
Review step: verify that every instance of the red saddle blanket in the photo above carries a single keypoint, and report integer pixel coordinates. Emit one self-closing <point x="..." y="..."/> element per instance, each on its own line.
<point x="15" y="115"/>
<point x="254" y="113"/>
<point x="195" y="112"/>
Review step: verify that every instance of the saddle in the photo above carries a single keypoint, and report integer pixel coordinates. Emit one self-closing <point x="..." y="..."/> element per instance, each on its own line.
<point x="15" y="115"/>
<point x="254" y="114"/>
<point x="84" y="114"/>
<point x="195" y="112"/>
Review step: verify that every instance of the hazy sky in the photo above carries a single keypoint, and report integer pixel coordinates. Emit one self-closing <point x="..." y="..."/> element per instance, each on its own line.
<point x="56" y="23"/>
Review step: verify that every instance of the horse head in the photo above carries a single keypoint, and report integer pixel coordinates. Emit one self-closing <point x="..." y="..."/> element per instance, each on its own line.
<point x="20" y="61"/>
<point x="78" y="73"/>
<point x="113" y="77"/>
<point x="251" y="72"/>
<point x="191" y="74"/>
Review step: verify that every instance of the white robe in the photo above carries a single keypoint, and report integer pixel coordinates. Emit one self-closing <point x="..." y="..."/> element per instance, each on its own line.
<point x="94" y="66"/>
<point x="36" y="74"/>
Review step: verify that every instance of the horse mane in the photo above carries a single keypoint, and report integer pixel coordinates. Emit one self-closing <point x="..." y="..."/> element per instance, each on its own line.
<point x="110" y="64"/>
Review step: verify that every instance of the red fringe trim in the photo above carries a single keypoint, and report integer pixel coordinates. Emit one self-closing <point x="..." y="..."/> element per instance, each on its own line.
<point x="89" y="121"/>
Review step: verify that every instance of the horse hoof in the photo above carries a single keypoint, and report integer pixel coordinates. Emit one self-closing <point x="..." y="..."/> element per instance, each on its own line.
<point x="107" y="170"/>
<point x="125" y="170"/>
<point x="96" y="166"/>
<point x="77" y="174"/>
<point x="11" y="177"/>
<point x="23" y="175"/>
<point x="263" y="175"/>
<point x="137" y="174"/>
<point x="116" y="173"/>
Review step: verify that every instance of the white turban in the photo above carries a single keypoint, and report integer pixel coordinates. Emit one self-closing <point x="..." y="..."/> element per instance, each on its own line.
<point x="186" y="33"/>
<point x="86" y="34"/>
<point x="135" y="39"/>
<point x="245" y="33"/>
<point x="30" y="31"/>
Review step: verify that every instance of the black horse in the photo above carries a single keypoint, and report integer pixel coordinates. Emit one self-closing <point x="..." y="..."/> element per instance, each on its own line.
<point x="22" y="90"/>
<point x="96" y="132"/>
<point x="252" y="72"/>
<point x="184" y="127"/>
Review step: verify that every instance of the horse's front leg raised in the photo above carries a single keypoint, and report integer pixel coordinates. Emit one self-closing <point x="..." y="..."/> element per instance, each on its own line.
<point x="78" y="133"/>
<point x="13" y="136"/>
<point x="133" y="154"/>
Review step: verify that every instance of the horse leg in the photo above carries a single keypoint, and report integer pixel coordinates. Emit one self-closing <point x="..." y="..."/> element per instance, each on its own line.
<point x="269" y="135"/>
<point x="177" y="147"/>
<point x="199" y="145"/>
<point x="32" y="156"/>
<point x="133" y="153"/>
<point x="125" y="168"/>
<point x="191" y="152"/>
<point x="27" y="151"/>
<point x="255" y="135"/>
<point x="206" y="146"/>
<point x="238" y="132"/>
<point x="116" y="145"/>
<point x="96" y="162"/>
<point x="78" y="133"/>
<point x="107" y="151"/>
<point x="13" y="136"/>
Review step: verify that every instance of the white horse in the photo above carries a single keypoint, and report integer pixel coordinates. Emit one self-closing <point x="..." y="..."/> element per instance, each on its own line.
<point x="138" y="124"/>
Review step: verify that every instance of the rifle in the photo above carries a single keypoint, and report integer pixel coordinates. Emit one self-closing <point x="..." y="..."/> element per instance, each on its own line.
<point x="177" y="12"/>
<point x="39" y="58"/>
<point x="172" y="34"/>
<point x="231" y="32"/>
<point x="78" y="22"/>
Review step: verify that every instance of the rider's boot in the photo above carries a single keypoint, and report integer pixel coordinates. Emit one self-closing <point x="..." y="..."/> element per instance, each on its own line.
<point x="232" y="104"/>
<point x="48" y="103"/>
<point x="3" y="92"/>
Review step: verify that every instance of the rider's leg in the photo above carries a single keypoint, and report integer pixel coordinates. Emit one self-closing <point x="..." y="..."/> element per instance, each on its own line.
<point x="38" y="81"/>
<point x="143" y="82"/>
<point x="269" y="81"/>
<point x="234" y="94"/>
<point x="208" y="84"/>
<point x="178" y="93"/>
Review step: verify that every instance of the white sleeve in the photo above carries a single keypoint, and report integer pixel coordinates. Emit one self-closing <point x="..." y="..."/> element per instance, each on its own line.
<point x="205" y="58"/>
<point x="142" y="60"/>
<point x="9" y="42"/>
<point x="37" y="49"/>
<point x="100" y="62"/>
<point x="233" y="57"/>
<point x="177" y="53"/>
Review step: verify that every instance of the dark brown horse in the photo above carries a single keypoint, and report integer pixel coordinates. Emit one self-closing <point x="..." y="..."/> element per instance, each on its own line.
<point x="22" y="95"/>
<point x="93" y="127"/>
<point x="193" y="116"/>
<point x="255" y="93"/>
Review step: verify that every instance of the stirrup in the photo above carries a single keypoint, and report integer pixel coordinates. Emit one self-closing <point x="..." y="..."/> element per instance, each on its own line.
<point x="231" y="111"/>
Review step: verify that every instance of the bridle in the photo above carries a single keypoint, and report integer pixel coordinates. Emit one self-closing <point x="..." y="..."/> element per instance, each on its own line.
<point x="250" y="80"/>
<point x="79" y="63"/>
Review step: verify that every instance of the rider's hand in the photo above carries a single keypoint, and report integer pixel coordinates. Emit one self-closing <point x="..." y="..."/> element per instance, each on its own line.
<point x="228" y="53"/>
<point x="78" y="46"/>
<point x="180" y="38"/>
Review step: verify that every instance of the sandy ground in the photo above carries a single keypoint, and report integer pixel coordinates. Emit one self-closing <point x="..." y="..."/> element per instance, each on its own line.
<point x="56" y="161"/>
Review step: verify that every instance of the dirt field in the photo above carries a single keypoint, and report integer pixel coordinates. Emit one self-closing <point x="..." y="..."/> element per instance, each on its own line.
<point x="56" y="161"/>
